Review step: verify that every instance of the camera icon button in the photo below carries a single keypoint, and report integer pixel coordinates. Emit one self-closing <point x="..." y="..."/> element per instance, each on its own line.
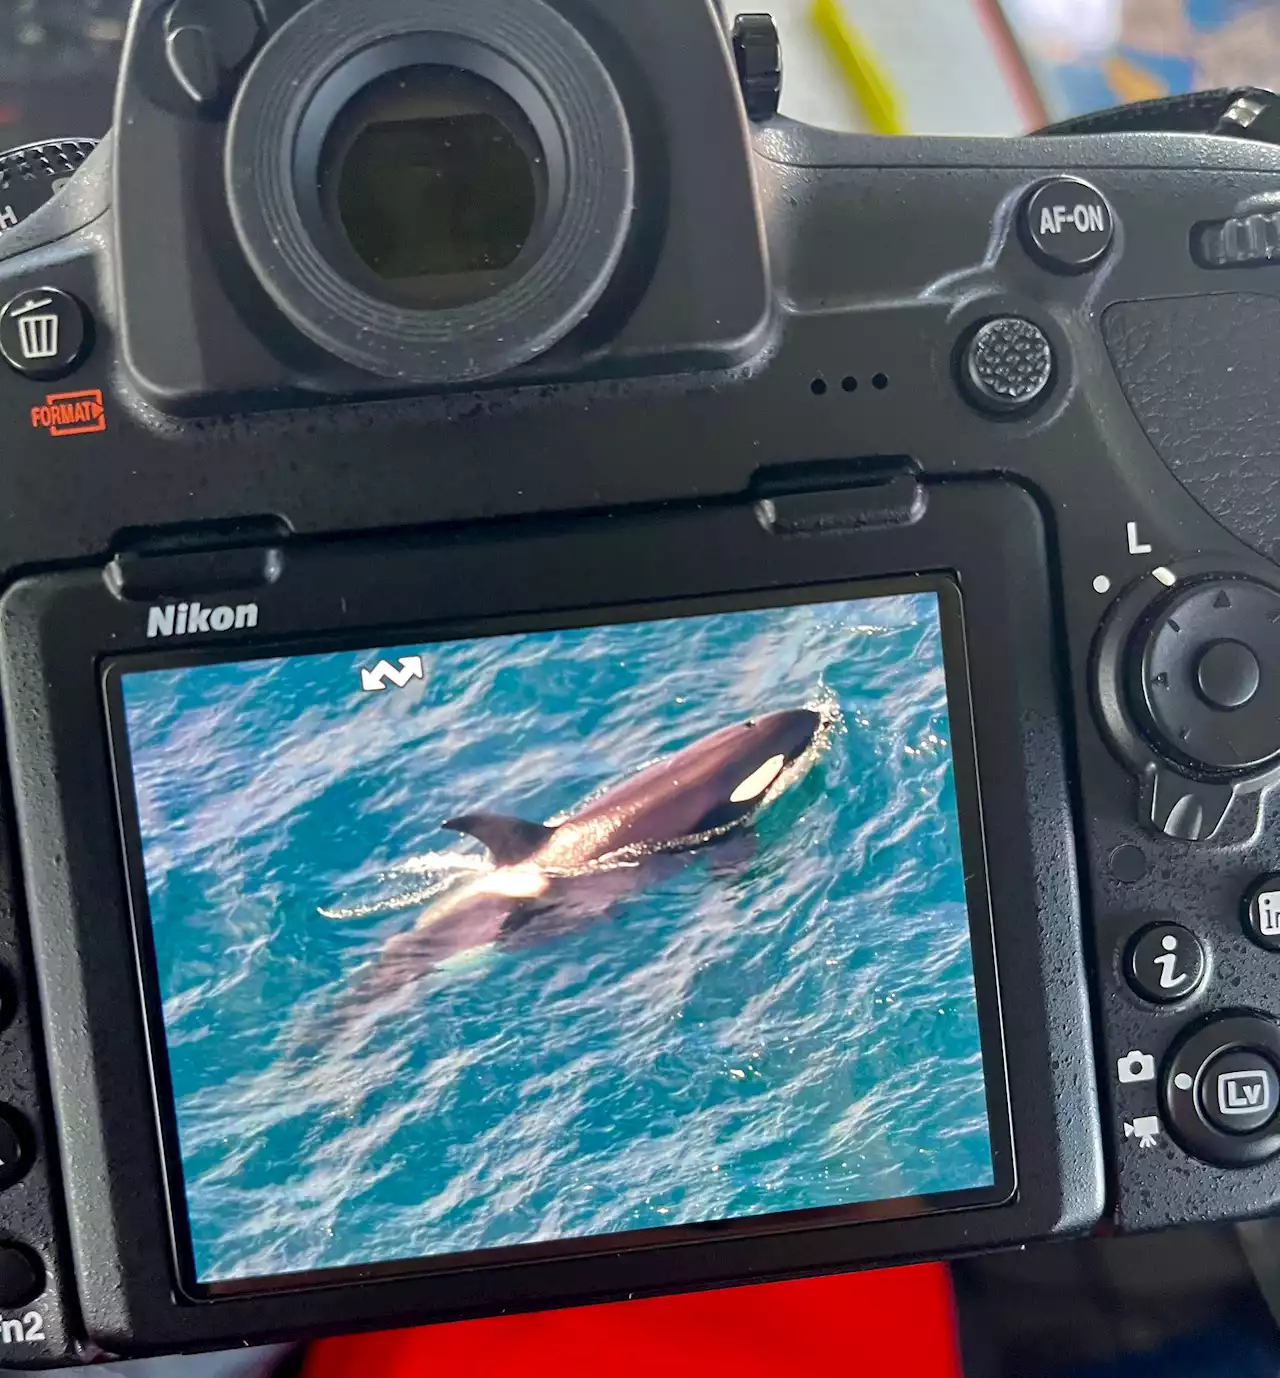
<point x="1135" y="1067"/>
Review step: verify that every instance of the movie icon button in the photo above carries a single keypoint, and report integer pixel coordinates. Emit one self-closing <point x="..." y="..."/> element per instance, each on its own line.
<point x="1165" y="963"/>
<point x="1146" y="1129"/>
<point x="1135" y="1067"/>
<point x="43" y="333"/>
<point x="1240" y="1091"/>
<point x="1262" y="913"/>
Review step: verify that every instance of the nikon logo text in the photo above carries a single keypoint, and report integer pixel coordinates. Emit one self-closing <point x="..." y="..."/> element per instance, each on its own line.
<point x="190" y="619"/>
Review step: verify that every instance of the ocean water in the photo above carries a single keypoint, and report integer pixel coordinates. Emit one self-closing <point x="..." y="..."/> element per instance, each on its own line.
<point x="781" y="1020"/>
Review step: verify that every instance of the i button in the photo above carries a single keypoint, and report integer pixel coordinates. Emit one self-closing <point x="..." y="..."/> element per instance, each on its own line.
<point x="1165" y="963"/>
<point x="1068" y="225"/>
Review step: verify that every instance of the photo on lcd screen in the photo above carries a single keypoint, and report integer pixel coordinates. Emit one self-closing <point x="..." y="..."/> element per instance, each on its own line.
<point x="548" y="936"/>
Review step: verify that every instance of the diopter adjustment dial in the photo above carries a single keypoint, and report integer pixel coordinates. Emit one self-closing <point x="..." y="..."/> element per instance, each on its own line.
<point x="757" y="52"/>
<point x="1204" y="677"/>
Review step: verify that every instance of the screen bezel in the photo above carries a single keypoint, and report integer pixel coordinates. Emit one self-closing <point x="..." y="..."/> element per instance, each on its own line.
<point x="56" y="629"/>
<point x="951" y="619"/>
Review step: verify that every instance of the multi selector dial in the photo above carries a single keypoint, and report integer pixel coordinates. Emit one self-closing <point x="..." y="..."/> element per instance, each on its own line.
<point x="1187" y="684"/>
<point x="1204" y="677"/>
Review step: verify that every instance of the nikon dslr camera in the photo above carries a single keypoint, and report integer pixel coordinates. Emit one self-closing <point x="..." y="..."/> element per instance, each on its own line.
<point x="605" y="693"/>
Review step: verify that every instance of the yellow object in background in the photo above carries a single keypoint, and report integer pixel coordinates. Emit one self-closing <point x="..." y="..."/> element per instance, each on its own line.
<point x="1131" y="82"/>
<point x="872" y="88"/>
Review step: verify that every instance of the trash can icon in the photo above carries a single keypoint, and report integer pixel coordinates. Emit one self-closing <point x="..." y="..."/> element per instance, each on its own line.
<point x="38" y="336"/>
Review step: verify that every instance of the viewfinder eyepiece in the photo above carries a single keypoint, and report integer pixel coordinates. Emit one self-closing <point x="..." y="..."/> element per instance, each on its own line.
<point x="436" y="191"/>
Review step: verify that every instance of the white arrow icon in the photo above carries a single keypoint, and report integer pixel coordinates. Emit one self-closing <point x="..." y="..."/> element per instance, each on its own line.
<point x="375" y="681"/>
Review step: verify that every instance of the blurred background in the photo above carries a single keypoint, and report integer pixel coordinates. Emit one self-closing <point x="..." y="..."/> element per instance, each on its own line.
<point x="889" y="66"/>
<point x="1007" y="66"/>
<point x="57" y="67"/>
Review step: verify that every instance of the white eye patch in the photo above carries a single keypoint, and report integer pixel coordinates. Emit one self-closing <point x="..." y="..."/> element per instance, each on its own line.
<point x="758" y="781"/>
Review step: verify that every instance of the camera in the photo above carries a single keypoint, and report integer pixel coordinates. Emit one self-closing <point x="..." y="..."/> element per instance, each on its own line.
<point x="606" y="693"/>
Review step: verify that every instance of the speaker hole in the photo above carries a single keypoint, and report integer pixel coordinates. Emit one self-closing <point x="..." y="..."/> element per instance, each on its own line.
<point x="880" y="382"/>
<point x="818" y="387"/>
<point x="849" y="384"/>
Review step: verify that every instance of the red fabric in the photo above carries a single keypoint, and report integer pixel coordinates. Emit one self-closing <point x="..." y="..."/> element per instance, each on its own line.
<point x="896" y="1322"/>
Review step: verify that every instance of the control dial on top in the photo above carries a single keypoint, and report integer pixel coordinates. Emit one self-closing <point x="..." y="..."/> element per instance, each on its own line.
<point x="34" y="174"/>
<point x="1204" y="677"/>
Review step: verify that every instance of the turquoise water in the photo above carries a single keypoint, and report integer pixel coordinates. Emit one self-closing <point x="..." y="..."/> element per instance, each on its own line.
<point x="781" y="1020"/>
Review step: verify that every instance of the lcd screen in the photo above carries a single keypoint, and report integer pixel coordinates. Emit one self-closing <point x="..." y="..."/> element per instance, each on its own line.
<point x="525" y="940"/>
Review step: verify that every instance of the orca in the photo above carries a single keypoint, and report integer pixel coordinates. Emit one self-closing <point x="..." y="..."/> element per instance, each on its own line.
<point x="550" y="878"/>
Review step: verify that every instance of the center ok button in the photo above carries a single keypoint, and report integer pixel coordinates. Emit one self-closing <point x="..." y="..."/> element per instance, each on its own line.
<point x="1228" y="675"/>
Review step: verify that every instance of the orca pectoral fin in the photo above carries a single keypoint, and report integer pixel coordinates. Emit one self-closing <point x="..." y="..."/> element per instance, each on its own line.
<point x="509" y="839"/>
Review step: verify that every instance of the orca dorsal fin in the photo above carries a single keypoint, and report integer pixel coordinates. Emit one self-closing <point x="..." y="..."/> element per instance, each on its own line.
<point x="509" y="839"/>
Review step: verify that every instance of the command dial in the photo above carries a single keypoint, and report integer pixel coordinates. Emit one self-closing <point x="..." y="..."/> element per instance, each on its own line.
<point x="1204" y="676"/>
<point x="34" y="174"/>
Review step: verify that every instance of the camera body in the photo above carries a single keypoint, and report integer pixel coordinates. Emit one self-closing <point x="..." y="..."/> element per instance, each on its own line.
<point x="1011" y="398"/>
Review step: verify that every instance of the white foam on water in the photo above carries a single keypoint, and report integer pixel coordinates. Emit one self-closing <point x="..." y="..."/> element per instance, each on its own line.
<point x="444" y="866"/>
<point x="439" y="863"/>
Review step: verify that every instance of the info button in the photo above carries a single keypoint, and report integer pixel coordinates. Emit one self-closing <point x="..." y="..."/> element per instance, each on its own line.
<point x="1068" y="225"/>
<point x="1262" y="913"/>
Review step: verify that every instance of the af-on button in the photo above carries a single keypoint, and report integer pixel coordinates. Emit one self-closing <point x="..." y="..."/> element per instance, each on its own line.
<point x="1067" y="225"/>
